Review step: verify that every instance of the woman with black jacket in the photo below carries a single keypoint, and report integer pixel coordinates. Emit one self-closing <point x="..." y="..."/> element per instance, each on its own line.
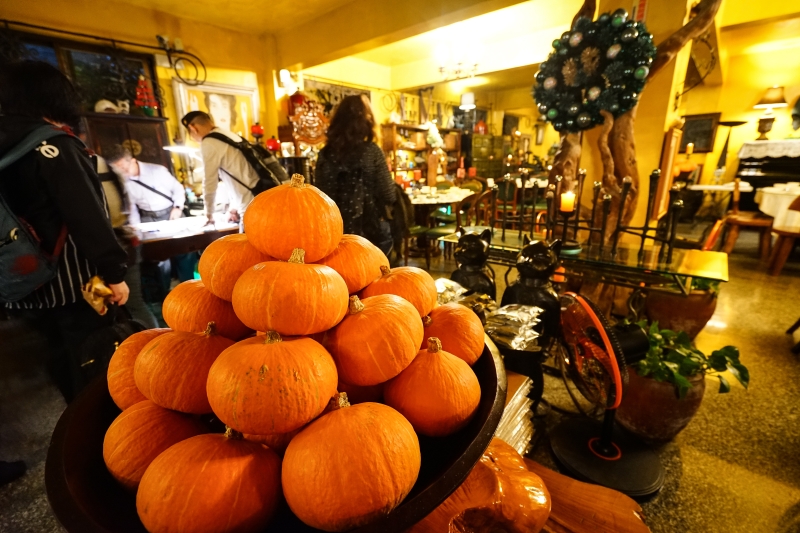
<point x="352" y="170"/>
<point x="55" y="189"/>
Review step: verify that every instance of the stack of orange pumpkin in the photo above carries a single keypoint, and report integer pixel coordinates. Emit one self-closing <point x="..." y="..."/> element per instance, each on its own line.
<point x="337" y="320"/>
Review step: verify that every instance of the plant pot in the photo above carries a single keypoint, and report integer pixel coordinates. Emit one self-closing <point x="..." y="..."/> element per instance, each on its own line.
<point x="651" y="409"/>
<point x="681" y="313"/>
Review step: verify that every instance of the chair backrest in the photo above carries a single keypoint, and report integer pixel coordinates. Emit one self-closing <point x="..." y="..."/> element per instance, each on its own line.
<point x="795" y="205"/>
<point x="482" y="208"/>
<point x="736" y="195"/>
<point x="507" y="191"/>
<point x="442" y="185"/>
<point x="472" y="185"/>
<point x="466" y="206"/>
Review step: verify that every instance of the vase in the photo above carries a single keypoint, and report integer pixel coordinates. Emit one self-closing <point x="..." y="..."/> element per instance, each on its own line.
<point x="651" y="409"/>
<point x="681" y="313"/>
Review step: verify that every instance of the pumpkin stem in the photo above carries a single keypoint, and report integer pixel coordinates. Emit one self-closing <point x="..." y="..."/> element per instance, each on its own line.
<point x="385" y="270"/>
<point x="297" y="181"/>
<point x="339" y="401"/>
<point x="427" y="321"/>
<point x="273" y="337"/>
<point x="211" y="329"/>
<point x="298" y="256"/>
<point x="434" y="345"/>
<point x="355" y="305"/>
<point x="231" y="433"/>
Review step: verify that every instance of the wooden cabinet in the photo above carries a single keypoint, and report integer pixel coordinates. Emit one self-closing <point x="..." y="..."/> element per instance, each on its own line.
<point x="407" y="149"/>
<point x="143" y="136"/>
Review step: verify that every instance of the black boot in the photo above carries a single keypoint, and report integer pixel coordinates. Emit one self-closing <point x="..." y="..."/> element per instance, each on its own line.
<point x="10" y="471"/>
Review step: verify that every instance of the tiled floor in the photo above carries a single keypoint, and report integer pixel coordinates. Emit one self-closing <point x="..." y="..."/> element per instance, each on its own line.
<point x="734" y="469"/>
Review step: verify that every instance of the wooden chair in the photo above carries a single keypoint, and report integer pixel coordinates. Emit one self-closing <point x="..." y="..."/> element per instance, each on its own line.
<point x="506" y="201"/>
<point x="465" y="206"/>
<point x="736" y="220"/>
<point x="784" y="245"/>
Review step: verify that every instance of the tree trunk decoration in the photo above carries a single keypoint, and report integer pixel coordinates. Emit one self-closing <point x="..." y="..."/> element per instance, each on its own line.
<point x="617" y="144"/>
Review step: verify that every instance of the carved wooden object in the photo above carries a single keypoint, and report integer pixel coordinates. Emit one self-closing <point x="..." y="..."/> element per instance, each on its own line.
<point x="500" y="494"/>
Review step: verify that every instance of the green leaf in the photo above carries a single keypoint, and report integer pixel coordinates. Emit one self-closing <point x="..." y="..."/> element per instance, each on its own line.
<point x="681" y="384"/>
<point x="724" y="386"/>
<point x="718" y="361"/>
<point x="683" y="339"/>
<point x="740" y="372"/>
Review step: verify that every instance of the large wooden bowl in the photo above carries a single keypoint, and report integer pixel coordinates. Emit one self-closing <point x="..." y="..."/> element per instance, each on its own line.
<point x="86" y="499"/>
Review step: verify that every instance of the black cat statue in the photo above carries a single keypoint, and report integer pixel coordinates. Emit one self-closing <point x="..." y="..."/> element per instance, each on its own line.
<point x="536" y="263"/>
<point x="471" y="254"/>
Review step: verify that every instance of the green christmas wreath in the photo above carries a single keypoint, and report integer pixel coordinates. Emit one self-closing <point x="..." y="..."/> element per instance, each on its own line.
<point x="599" y="65"/>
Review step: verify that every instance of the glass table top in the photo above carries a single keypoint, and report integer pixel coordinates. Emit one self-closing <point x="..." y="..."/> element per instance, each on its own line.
<point x="695" y="263"/>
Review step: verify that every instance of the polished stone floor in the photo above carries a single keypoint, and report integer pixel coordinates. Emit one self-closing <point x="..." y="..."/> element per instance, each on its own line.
<point x="734" y="469"/>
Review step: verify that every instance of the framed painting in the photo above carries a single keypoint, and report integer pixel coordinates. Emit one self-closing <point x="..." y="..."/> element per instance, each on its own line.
<point x="330" y="94"/>
<point x="701" y="130"/>
<point x="233" y="108"/>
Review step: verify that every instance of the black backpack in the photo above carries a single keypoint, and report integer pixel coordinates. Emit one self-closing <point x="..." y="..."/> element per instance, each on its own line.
<point x="24" y="265"/>
<point x="270" y="172"/>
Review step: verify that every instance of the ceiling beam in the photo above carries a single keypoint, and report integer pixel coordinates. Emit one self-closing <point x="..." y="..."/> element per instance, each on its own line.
<point x="365" y="24"/>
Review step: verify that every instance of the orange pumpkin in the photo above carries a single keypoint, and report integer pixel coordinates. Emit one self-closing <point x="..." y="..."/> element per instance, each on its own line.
<point x="270" y="385"/>
<point x="276" y="442"/>
<point x="139" y="435"/>
<point x="190" y="307"/>
<point x="210" y="483"/>
<point x="358" y="261"/>
<point x="376" y="340"/>
<point x="291" y="298"/>
<point x="350" y="467"/>
<point x="458" y="328"/>
<point x="121" y="384"/>
<point x="224" y="260"/>
<point x="294" y="215"/>
<point x="438" y="392"/>
<point x="411" y="283"/>
<point x="172" y="369"/>
<point x="361" y="394"/>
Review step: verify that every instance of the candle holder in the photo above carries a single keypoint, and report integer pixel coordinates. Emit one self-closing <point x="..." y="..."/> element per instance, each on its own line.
<point x="568" y="246"/>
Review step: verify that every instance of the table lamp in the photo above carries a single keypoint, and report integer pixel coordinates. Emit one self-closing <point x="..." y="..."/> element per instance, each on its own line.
<point x="772" y="98"/>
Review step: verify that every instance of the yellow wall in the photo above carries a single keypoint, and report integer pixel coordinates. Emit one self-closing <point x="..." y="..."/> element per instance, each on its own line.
<point x="230" y="56"/>
<point x="748" y="74"/>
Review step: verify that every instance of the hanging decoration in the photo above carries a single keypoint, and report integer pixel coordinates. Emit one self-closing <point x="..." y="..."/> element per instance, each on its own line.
<point x="145" y="99"/>
<point x="599" y="66"/>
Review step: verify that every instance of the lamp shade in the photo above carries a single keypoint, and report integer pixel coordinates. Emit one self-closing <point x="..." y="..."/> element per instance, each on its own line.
<point x="773" y="97"/>
<point x="467" y="101"/>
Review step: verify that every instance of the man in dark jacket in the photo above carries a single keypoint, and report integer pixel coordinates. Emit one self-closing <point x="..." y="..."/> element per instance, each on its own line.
<point x="55" y="189"/>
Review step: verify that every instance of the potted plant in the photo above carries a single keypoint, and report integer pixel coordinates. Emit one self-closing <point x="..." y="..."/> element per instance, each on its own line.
<point x="665" y="389"/>
<point x="690" y="313"/>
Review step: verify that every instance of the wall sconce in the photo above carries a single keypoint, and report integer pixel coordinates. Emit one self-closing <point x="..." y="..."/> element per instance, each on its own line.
<point x="772" y="98"/>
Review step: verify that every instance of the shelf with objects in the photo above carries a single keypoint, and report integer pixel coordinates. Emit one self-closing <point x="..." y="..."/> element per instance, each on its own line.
<point x="408" y="150"/>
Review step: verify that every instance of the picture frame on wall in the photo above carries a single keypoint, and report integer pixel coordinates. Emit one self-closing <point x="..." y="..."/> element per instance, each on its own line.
<point x="701" y="130"/>
<point x="233" y="108"/>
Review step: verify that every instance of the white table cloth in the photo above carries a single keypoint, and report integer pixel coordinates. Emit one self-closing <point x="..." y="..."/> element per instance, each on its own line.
<point x="762" y="149"/>
<point x="775" y="202"/>
<point x="725" y="187"/>
<point x="446" y="196"/>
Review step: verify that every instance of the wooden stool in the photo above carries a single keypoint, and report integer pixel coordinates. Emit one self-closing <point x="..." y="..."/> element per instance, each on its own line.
<point x="737" y="220"/>
<point x="784" y="245"/>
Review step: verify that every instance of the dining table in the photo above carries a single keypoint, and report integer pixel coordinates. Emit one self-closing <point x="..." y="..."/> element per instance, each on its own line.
<point x="775" y="201"/>
<point x="168" y="238"/>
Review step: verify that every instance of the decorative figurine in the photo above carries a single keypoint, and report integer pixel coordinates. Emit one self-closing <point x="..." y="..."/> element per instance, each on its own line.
<point x="471" y="254"/>
<point x="536" y="263"/>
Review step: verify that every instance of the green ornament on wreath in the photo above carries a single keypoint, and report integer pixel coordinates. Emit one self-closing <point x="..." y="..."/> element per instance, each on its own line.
<point x="598" y="66"/>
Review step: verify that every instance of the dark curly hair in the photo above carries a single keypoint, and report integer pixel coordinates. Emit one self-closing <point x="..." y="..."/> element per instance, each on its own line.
<point x="351" y="126"/>
<point x="37" y="89"/>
